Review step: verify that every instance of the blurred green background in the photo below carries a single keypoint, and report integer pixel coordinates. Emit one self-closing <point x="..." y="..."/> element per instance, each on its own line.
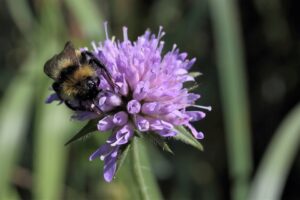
<point x="249" y="54"/>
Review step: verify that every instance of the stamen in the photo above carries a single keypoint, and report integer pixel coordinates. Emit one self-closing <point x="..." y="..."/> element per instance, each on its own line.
<point x="160" y="33"/>
<point x="96" y="109"/>
<point x="159" y="30"/>
<point x="125" y="35"/>
<point x="106" y="30"/>
<point x="102" y="157"/>
<point x="113" y="39"/>
<point x="116" y="142"/>
<point x="209" y="108"/>
<point x="174" y="47"/>
<point x="161" y="46"/>
<point x="95" y="47"/>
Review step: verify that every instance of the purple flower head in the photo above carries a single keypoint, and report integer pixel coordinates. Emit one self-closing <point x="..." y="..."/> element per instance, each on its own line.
<point x="149" y="83"/>
<point x="149" y="89"/>
<point x="147" y="94"/>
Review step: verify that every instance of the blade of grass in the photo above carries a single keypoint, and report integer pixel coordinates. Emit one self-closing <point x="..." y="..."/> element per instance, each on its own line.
<point x="12" y="194"/>
<point x="16" y="107"/>
<point x="50" y="152"/>
<point x="230" y="62"/>
<point x="88" y="16"/>
<point x="21" y="14"/>
<point x="51" y="128"/>
<point x="52" y="124"/>
<point x="14" y="120"/>
<point x="273" y="170"/>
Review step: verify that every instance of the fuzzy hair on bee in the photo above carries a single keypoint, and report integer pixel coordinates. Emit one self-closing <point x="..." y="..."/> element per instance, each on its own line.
<point x="75" y="76"/>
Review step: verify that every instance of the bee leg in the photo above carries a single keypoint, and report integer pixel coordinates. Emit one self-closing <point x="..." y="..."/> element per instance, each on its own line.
<point x="100" y="65"/>
<point x="96" y="109"/>
<point x="106" y="74"/>
<point x="79" y="107"/>
<point x="75" y="108"/>
<point x="84" y="55"/>
<point x="109" y="79"/>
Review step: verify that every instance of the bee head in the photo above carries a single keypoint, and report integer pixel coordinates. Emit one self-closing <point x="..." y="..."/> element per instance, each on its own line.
<point x="87" y="88"/>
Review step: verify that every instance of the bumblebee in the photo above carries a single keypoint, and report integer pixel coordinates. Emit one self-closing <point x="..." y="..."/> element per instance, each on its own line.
<point x="75" y="77"/>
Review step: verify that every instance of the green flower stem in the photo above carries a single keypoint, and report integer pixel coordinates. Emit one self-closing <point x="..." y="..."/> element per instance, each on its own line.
<point x="233" y="90"/>
<point x="141" y="171"/>
<point x="274" y="168"/>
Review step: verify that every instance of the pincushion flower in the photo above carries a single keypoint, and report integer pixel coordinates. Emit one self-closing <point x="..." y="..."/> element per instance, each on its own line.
<point x="148" y="96"/>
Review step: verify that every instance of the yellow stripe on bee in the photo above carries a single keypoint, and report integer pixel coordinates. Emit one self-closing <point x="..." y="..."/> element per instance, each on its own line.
<point x="83" y="72"/>
<point x="70" y="88"/>
<point x="78" y="53"/>
<point x="66" y="62"/>
<point x="68" y="92"/>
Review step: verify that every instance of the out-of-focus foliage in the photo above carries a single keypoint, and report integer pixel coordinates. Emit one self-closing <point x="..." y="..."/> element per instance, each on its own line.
<point x="35" y="164"/>
<point x="278" y="159"/>
<point x="231" y="69"/>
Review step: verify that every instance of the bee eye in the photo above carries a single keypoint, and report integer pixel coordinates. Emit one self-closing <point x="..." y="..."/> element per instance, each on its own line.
<point x="97" y="81"/>
<point x="91" y="84"/>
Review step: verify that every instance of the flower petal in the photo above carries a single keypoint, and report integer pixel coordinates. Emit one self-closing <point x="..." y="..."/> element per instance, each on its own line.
<point x="142" y="123"/>
<point x="133" y="107"/>
<point x="106" y="123"/>
<point x="149" y="108"/>
<point x="196" y="134"/>
<point x="195" y="115"/>
<point x="52" y="97"/>
<point x="141" y="90"/>
<point x="110" y="166"/>
<point x="103" y="150"/>
<point x="158" y="125"/>
<point x="167" y="133"/>
<point x="123" y="135"/>
<point x="113" y="100"/>
<point x="120" y="118"/>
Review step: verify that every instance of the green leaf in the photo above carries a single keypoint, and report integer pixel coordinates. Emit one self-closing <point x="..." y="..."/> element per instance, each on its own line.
<point x="122" y="157"/>
<point x="186" y="137"/>
<point x="195" y="74"/>
<point x="91" y="126"/>
<point x="158" y="140"/>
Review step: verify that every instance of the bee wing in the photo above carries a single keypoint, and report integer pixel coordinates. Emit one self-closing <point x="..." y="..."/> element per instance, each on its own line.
<point x="50" y="67"/>
<point x="60" y="61"/>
